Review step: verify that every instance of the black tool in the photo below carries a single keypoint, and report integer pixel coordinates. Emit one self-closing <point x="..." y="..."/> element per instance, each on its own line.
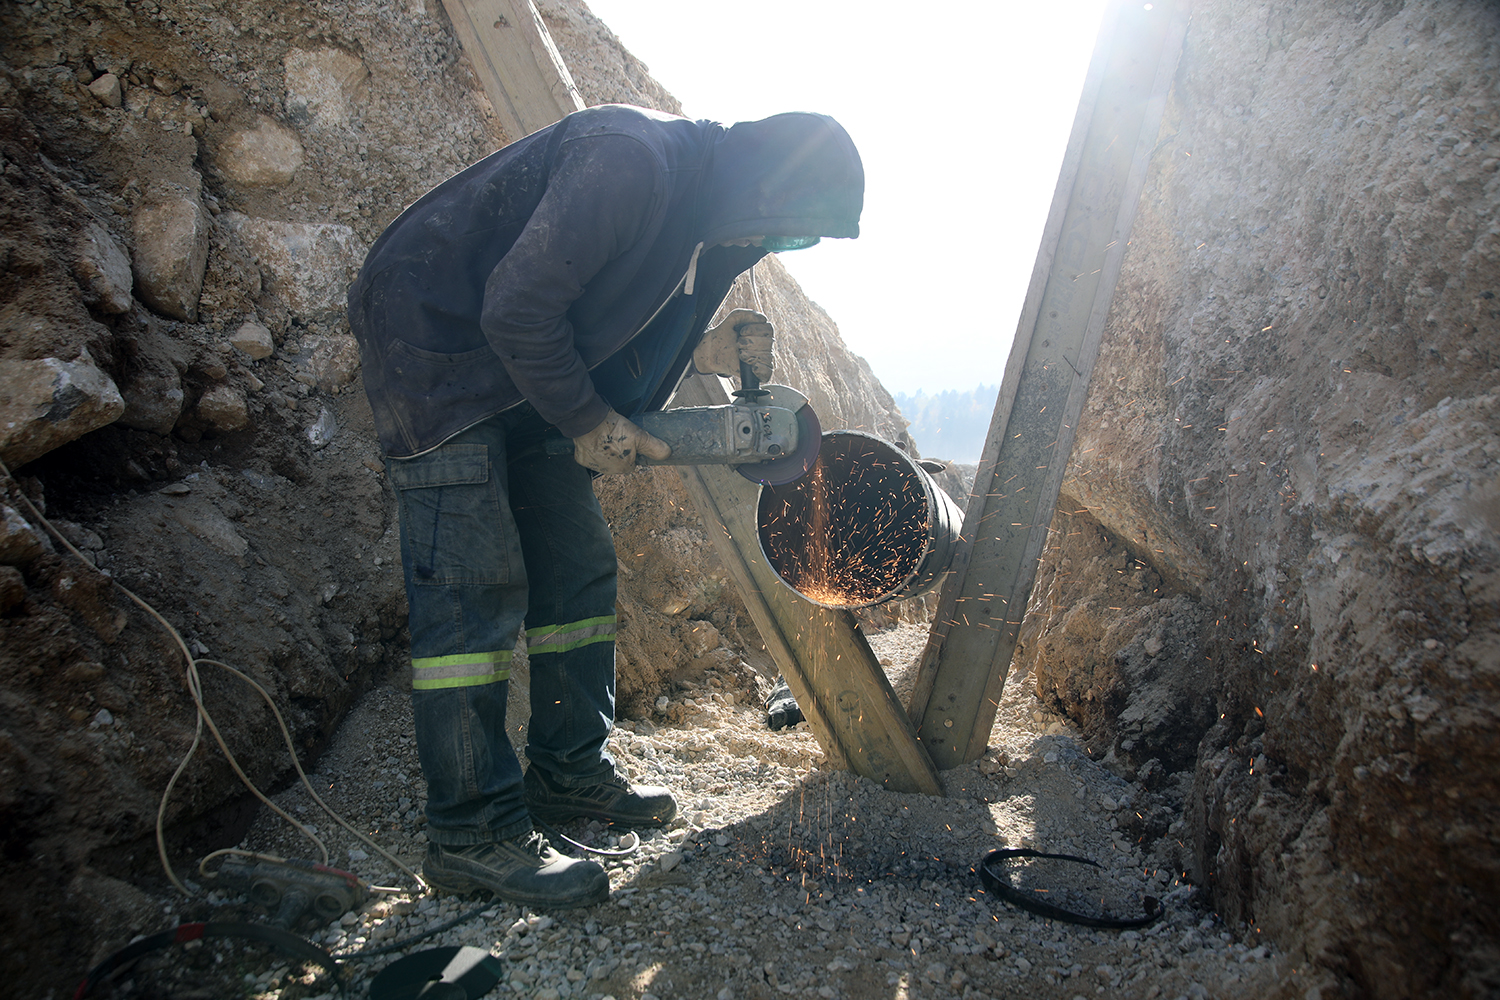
<point x="439" y="974"/>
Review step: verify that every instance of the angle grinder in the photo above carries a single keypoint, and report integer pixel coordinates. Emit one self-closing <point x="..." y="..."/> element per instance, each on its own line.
<point x="769" y="434"/>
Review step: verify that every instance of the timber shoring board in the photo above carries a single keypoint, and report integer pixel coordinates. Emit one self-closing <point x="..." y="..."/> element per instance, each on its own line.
<point x="838" y="683"/>
<point x="963" y="669"/>
<point x="515" y="60"/>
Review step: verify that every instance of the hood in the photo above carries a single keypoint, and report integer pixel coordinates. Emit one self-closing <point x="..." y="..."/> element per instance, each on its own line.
<point x="794" y="174"/>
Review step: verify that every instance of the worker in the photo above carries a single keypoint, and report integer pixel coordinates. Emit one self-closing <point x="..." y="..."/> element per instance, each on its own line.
<point x="565" y="283"/>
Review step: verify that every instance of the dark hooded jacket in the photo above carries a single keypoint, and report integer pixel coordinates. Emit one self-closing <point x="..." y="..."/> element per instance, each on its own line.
<point x="577" y="268"/>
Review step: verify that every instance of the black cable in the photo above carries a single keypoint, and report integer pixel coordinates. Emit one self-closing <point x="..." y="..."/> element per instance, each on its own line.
<point x="365" y="954"/>
<point x="286" y="941"/>
<point x="998" y="884"/>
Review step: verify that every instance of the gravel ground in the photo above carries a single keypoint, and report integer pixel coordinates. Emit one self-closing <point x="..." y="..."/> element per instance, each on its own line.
<point x="780" y="878"/>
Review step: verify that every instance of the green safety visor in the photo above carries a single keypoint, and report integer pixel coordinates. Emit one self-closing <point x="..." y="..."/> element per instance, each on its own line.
<point x="776" y="244"/>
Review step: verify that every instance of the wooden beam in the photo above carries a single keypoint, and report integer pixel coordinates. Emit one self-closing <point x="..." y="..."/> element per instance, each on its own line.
<point x="829" y="666"/>
<point x="963" y="669"/>
<point x="514" y="58"/>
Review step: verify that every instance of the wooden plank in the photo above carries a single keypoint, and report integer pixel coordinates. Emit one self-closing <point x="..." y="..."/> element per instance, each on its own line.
<point x="514" y="58"/>
<point x="827" y="663"/>
<point x="963" y="669"/>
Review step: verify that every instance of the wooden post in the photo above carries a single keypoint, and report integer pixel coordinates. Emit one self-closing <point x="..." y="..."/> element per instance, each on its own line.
<point x="827" y="663"/>
<point x="962" y="673"/>
<point x="514" y="57"/>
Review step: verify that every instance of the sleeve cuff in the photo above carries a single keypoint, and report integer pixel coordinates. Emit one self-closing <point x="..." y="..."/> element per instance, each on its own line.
<point x="585" y="419"/>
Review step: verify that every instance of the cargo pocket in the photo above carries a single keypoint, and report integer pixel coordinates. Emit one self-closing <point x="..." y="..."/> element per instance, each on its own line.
<point x="456" y="520"/>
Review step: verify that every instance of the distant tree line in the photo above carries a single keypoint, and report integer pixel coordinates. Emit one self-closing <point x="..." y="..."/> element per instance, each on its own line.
<point x="950" y="425"/>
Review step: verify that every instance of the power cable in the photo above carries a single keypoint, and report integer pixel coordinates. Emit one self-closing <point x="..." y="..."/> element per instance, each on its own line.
<point x="204" y="718"/>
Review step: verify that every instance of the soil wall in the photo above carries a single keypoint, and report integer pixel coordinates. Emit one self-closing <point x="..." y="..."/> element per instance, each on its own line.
<point x="1276" y="556"/>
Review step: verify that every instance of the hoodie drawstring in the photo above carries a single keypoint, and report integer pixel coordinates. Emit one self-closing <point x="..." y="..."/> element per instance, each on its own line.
<point x="692" y="275"/>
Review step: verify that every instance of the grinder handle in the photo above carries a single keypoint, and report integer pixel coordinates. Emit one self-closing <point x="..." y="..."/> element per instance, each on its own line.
<point x="749" y="389"/>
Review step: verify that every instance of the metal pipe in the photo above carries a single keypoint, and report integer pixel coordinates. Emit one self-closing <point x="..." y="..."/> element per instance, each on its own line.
<point x="865" y="525"/>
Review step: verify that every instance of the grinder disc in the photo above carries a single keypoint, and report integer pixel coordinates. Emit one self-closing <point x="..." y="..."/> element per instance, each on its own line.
<point x="791" y="467"/>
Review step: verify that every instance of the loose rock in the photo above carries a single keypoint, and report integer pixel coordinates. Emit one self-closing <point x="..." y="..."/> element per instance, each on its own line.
<point x="253" y="339"/>
<point x="267" y="155"/>
<point x="224" y="409"/>
<point x="103" y="271"/>
<point x="107" y="90"/>
<point x="321" y="85"/>
<point x="309" y="265"/>
<point x="171" y="253"/>
<point x="49" y="402"/>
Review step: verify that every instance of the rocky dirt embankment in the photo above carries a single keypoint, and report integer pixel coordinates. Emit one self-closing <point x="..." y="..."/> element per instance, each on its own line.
<point x="1276" y="554"/>
<point x="185" y="191"/>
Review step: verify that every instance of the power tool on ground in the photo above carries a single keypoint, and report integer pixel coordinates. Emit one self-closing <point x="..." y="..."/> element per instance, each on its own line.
<point x="292" y="887"/>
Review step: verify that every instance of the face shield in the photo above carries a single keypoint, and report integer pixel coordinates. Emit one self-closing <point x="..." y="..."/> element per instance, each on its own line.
<point x="776" y="244"/>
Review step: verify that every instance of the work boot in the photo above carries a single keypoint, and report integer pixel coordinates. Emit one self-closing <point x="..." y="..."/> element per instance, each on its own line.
<point x="525" y="870"/>
<point x="613" y="800"/>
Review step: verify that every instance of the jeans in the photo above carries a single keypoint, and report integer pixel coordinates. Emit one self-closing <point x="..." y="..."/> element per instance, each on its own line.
<point x="496" y="533"/>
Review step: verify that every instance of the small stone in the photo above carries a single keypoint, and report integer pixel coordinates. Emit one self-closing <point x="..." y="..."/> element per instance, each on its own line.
<point x="103" y="717"/>
<point x="153" y="398"/>
<point x="355" y="854"/>
<point x="20" y="542"/>
<point x="671" y="860"/>
<point x="323" y="430"/>
<point x="107" y="90"/>
<point x="1108" y="804"/>
<point x="224" y="409"/>
<point x="1023" y="964"/>
<point x="253" y="339"/>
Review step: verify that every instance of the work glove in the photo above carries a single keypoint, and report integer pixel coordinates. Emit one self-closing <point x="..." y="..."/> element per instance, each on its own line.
<point x="744" y="335"/>
<point x="612" y="446"/>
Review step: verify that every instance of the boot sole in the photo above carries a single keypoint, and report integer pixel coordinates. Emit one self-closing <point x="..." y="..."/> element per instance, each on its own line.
<point x="463" y="885"/>
<point x="563" y="814"/>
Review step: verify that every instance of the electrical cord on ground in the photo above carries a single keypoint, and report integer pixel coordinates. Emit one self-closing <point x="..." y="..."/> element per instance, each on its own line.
<point x="366" y="954"/>
<point x="194" y="686"/>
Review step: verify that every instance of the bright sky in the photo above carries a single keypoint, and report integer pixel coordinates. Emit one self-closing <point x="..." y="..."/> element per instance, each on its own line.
<point x="960" y="111"/>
